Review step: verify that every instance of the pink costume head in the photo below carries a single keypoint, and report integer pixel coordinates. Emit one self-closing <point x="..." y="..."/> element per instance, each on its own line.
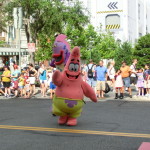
<point x="61" y="52"/>
<point x="72" y="68"/>
<point x="62" y="38"/>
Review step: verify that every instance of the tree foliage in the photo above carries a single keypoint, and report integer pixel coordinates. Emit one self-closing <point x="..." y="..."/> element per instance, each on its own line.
<point x="2" y="17"/>
<point x="44" y="48"/>
<point x="94" y="44"/>
<point x="124" y="52"/>
<point x="142" y="50"/>
<point x="47" y="16"/>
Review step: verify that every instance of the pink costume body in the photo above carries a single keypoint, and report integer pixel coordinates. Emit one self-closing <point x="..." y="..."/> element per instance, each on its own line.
<point x="70" y="90"/>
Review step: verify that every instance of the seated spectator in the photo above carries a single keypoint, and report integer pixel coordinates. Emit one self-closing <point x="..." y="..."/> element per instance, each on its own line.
<point x="21" y="84"/>
<point x="6" y="81"/>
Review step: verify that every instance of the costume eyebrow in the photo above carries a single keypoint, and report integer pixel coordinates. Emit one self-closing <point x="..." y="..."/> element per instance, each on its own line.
<point x="72" y="59"/>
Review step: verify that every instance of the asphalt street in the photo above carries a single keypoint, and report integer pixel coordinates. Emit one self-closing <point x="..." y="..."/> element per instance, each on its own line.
<point x="102" y="126"/>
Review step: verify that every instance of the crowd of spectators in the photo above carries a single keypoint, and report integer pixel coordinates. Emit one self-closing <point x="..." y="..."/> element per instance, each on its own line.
<point x="119" y="80"/>
<point x="22" y="83"/>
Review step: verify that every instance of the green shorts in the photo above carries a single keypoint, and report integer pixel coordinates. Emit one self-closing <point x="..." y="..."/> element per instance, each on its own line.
<point x="67" y="107"/>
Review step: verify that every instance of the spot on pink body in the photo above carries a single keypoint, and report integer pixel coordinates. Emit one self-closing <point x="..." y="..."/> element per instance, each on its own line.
<point x="144" y="146"/>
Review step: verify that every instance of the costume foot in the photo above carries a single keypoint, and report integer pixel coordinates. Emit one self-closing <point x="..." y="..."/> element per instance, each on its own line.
<point x="62" y="120"/>
<point x="72" y="122"/>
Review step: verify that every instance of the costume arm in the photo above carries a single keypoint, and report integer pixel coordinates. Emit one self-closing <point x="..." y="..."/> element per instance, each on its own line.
<point x="57" y="78"/>
<point x="88" y="91"/>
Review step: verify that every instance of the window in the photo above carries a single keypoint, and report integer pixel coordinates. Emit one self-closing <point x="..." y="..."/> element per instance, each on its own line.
<point x="140" y="34"/>
<point x="112" y="21"/>
<point x="139" y="11"/>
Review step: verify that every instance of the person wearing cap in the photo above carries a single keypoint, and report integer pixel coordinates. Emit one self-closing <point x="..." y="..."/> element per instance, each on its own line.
<point x="125" y="73"/>
<point x="6" y="80"/>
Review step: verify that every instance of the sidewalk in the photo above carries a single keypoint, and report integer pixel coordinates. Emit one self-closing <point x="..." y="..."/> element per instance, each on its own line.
<point x="108" y="96"/>
<point x="111" y="96"/>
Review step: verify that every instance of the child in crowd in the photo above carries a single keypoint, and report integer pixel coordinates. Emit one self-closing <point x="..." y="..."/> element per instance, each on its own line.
<point x="1" y="91"/>
<point x="83" y="72"/>
<point x="140" y="82"/>
<point x="118" y="85"/>
<point x="52" y="89"/>
<point x="52" y="85"/>
<point x="21" y="84"/>
<point x="27" y="85"/>
<point x="147" y="80"/>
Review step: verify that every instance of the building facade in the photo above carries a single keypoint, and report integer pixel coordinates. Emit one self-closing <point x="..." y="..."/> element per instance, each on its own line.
<point x="13" y="46"/>
<point x="126" y="19"/>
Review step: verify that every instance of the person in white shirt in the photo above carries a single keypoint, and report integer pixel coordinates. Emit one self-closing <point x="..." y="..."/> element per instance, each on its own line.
<point x="133" y="76"/>
<point x="90" y="72"/>
<point x="111" y="73"/>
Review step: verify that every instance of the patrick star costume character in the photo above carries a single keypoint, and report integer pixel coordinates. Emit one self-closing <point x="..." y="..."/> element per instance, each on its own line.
<point x="70" y="91"/>
<point x="61" y="52"/>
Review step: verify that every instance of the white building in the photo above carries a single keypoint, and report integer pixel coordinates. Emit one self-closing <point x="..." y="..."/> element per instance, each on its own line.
<point x="126" y="19"/>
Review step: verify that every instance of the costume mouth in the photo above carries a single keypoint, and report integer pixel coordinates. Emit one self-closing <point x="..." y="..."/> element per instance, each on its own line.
<point x="58" y="58"/>
<point x="72" y="76"/>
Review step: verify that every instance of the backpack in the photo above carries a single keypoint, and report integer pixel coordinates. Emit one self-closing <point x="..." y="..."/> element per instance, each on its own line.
<point x="107" y="88"/>
<point x="90" y="73"/>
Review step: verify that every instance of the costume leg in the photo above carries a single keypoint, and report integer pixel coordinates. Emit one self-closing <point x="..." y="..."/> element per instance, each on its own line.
<point x="72" y="121"/>
<point x="57" y="111"/>
<point x="76" y="114"/>
<point x="62" y="120"/>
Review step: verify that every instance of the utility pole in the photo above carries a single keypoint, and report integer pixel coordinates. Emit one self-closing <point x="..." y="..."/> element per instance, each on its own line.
<point x="17" y="14"/>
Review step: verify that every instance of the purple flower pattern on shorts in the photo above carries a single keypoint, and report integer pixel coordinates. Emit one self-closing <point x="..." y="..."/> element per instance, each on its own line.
<point x="71" y="103"/>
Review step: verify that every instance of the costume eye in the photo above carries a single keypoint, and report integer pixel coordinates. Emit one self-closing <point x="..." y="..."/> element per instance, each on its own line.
<point x="71" y="67"/>
<point x="76" y="67"/>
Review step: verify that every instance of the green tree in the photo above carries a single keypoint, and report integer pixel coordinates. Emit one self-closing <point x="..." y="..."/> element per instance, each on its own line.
<point x="47" y="17"/>
<point x="142" y="50"/>
<point x="82" y="38"/>
<point x="107" y="46"/>
<point x="94" y="44"/>
<point x="44" y="18"/>
<point x="45" y="45"/>
<point x="2" y="17"/>
<point x="124" y="52"/>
